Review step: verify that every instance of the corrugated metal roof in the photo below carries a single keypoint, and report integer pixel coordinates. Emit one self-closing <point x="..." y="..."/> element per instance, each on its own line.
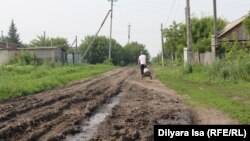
<point x="232" y="25"/>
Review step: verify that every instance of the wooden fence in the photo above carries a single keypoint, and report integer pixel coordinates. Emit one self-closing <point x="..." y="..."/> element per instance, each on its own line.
<point x="203" y="58"/>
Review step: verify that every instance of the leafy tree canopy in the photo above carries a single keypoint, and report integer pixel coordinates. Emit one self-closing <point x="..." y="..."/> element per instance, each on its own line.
<point x="202" y="29"/>
<point x="40" y="41"/>
<point x="99" y="50"/>
<point x="132" y="52"/>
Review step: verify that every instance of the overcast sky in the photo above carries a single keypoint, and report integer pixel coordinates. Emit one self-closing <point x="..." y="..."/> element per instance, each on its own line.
<point x="68" y="18"/>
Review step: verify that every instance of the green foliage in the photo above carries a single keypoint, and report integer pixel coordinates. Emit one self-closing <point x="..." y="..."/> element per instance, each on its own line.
<point x="175" y="40"/>
<point x="247" y="23"/>
<point x="4" y="39"/>
<point x="24" y="58"/>
<point x="202" y="29"/>
<point x="18" y="80"/>
<point x="232" y="71"/>
<point x="132" y="52"/>
<point x="237" y="54"/>
<point x="107" y="62"/>
<point x="13" y="36"/>
<point x="175" y="36"/>
<point x="40" y="41"/>
<point x="216" y="91"/>
<point x="99" y="50"/>
<point x="188" y="69"/>
<point x="233" y="51"/>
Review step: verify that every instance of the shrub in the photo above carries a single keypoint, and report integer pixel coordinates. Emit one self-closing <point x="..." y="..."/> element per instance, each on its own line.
<point x="25" y="58"/>
<point x="107" y="62"/>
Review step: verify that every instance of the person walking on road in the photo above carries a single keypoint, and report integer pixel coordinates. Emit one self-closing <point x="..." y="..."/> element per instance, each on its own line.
<point x="142" y="62"/>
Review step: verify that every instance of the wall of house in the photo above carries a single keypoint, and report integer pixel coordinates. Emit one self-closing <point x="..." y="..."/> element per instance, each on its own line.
<point x="239" y="33"/>
<point x="5" y="45"/>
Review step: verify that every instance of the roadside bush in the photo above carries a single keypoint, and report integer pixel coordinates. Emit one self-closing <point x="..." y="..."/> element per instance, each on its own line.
<point x="19" y="69"/>
<point x="235" y="70"/>
<point x="25" y="58"/>
<point x="107" y="62"/>
<point x="188" y="69"/>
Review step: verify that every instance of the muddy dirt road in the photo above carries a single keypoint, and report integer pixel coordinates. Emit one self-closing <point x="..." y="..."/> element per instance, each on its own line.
<point x="64" y="113"/>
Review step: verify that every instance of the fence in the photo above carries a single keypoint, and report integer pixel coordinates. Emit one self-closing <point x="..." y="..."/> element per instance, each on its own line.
<point x="74" y="58"/>
<point x="7" y="55"/>
<point x="203" y="58"/>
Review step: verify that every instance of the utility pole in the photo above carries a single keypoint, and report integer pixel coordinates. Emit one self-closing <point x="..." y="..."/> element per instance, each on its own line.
<point x="110" y="36"/>
<point x="76" y="44"/>
<point x="44" y="36"/>
<point x="188" y="50"/>
<point x="1" y="36"/>
<point x="129" y="26"/>
<point x="162" y="46"/>
<point x="215" y="37"/>
<point x="96" y="34"/>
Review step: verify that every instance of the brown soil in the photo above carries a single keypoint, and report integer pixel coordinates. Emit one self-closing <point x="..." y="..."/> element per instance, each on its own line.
<point x="54" y="114"/>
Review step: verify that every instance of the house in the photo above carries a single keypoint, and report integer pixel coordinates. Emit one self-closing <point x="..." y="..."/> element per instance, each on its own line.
<point x="6" y="45"/>
<point x="47" y="53"/>
<point x="235" y="31"/>
<point x="54" y="54"/>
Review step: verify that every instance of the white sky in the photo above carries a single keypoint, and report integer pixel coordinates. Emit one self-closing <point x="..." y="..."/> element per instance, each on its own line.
<point x="68" y="18"/>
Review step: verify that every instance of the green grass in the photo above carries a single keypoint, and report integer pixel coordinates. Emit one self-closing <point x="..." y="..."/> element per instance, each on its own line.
<point x="230" y="97"/>
<point x="22" y="80"/>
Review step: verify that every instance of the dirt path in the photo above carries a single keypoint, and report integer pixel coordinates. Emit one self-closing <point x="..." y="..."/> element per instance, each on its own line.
<point x="52" y="115"/>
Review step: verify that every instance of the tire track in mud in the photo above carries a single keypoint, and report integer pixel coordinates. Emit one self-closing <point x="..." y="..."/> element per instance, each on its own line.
<point x="54" y="114"/>
<point x="144" y="104"/>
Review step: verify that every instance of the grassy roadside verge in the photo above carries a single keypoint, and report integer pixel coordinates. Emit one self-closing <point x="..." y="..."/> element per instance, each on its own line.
<point x="22" y="80"/>
<point x="231" y="98"/>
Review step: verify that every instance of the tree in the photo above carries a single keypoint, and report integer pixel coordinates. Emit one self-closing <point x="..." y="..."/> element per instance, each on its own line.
<point x="13" y="36"/>
<point x="41" y="41"/>
<point x="175" y="40"/>
<point x="4" y="39"/>
<point x="98" y="52"/>
<point x="202" y="29"/>
<point x="132" y="52"/>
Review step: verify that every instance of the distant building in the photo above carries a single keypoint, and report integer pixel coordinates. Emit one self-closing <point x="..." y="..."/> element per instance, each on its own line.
<point x="235" y="31"/>
<point x="52" y="54"/>
<point x="47" y="53"/>
<point x="6" y="45"/>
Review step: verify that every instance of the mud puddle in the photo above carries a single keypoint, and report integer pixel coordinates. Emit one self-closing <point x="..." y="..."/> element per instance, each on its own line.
<point x="91" y="127"/>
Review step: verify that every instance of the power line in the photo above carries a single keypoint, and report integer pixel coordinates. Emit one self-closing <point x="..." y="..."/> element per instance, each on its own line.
<point x="170" y="12"/>
<point x="177" y="10"/>
<point x="147" y="5"/>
